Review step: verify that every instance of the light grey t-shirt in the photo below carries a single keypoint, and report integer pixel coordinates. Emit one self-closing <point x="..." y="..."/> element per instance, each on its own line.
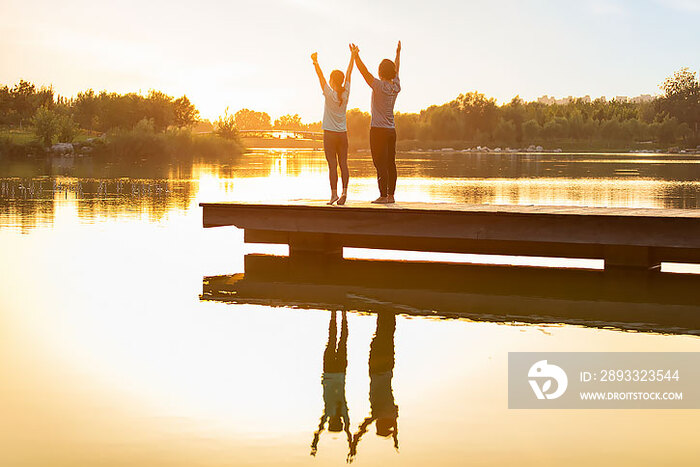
<point x="383" y="99"/>
<point x="334" y="110"/>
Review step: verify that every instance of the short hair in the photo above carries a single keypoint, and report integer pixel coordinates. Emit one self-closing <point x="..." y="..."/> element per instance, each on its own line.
<point x="387" y="69"/>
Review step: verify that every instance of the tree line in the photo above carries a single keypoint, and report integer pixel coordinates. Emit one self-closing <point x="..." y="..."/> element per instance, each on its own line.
<point x="470" y="119"/>
<point x="56" y="118"/>
<point x="133" y="128"/>
<point x="247" y="119"/>
<point x="475" y="119"/>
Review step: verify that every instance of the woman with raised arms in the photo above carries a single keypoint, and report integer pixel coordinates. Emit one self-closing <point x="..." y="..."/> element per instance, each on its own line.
<point x="335" y="136"/>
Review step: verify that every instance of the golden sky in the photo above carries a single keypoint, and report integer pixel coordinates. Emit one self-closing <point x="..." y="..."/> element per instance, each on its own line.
<point x="256" y="54"/>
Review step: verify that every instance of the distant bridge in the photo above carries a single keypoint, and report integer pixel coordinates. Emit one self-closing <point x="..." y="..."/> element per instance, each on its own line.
<point x="282" y="134"/>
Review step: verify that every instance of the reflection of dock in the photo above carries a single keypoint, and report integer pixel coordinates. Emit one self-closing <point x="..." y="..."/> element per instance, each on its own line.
<point x="629" y="240"/>
<point x="485" y="293"/>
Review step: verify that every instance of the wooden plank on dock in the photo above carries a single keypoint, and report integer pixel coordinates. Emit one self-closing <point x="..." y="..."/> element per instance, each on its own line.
<point x="640" y="238"/>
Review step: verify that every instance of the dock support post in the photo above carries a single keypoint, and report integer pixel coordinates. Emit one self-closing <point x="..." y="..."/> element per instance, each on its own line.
<point x="629" y="272"/>
<point x="630" y="258"/>
<point x="313" y="255"/>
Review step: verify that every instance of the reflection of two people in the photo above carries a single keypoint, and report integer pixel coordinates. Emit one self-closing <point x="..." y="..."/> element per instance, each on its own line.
<point x="383" y="411"/>
<point x="335" y="364"/>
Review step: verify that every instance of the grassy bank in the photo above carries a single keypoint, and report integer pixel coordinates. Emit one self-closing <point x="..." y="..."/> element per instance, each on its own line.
<point x="137" y="145"/>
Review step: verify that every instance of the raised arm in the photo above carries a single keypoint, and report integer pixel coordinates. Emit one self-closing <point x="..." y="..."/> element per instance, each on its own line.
<point x="398" y="58"/>
<point x="317" y="435"/>
<point x="361" y="66"/>
<point x="319" y="72"/>
<point x="350" y="66"/>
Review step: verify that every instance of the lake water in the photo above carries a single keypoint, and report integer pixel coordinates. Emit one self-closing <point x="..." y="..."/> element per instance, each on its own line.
<point x="108" y="356"/>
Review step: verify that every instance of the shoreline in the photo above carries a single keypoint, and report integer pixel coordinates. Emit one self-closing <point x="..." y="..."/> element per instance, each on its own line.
<point x="412" y="146"/>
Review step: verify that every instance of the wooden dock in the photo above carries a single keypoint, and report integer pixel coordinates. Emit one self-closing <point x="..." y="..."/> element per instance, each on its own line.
<point x="627" y="239"/>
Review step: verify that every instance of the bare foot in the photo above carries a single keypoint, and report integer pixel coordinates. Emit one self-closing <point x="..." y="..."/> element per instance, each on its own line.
<point x="342" y="199"/>
<point x="390" y="199"/>
<point x="381" y="200"/>
<point x="334" y="198"/>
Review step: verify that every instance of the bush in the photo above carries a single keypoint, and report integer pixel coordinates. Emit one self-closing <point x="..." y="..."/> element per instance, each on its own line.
<point x="46" y="125"/>
<point x="145" y="126"/>
<point x="67" y="129"/>
<point x="208" y="147"/>
<point x="226" y="126"/>
<point x="14" y="150"/>
<point x="142" y="144"/>
<point x="666" y="130"/>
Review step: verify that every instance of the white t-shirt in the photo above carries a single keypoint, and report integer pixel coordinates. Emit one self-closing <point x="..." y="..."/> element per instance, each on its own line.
<point x="334" y="110"/>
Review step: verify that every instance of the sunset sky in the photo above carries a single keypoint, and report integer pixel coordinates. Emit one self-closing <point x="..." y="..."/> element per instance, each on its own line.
<point x="256" y="54"/>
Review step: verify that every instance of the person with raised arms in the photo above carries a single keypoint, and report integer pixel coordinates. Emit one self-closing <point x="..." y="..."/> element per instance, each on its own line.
<point x="382" y="133"/>
<point x="335" y="136"/>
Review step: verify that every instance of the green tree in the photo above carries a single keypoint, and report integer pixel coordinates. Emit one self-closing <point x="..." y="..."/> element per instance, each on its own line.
<point x="667" y="129"/>
<point x="557" y="128"/>
<point x="226" y="126"/>
<point x="186" y="114"/>
<point x="407" y="125"/>
<point x="66" y="128"/>
<point x="575" y="120"/>
<point x="531" y="130"/>
<point x="634" y="129"/>
<point x="246" y="119"/>
<point x="26" y="99"/>
<point x="443" y="122"/>
<point x="159" y="106"/>
<point x="86" y="109"/>
<point x="611" y="130"/>
<point x="314" y="126"/>
<point x="681" y="98"/>
<point x="505" y="132"/>
<point x="358" y="124"/>
<point x="515" y="112"/>
<point x="289" y="122"/>
<point x="6" y="110"/>
<point x="477" y="112"/>
<point x="46" y="125"/>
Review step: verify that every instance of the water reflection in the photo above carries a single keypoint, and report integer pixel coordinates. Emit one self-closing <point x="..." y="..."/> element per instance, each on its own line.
<point x="399" y="294"/>
<point x="384" y="412"/>
<point x="31" y="191"/>
<point x="107" y="358"/>
<point x="660" y="302"/>
<point x="335" y="365"/>
<point x="29" y="203"/>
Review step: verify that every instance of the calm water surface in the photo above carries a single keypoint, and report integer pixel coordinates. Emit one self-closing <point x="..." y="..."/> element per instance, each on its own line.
<point x="108" y="356"/>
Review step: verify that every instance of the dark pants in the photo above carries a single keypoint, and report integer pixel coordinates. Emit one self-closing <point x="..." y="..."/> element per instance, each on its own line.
<point x="335" y="358"/>
<point x="381" y="349"/>
<point x="382" y="142"/>
<point x="335" y="145"/>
